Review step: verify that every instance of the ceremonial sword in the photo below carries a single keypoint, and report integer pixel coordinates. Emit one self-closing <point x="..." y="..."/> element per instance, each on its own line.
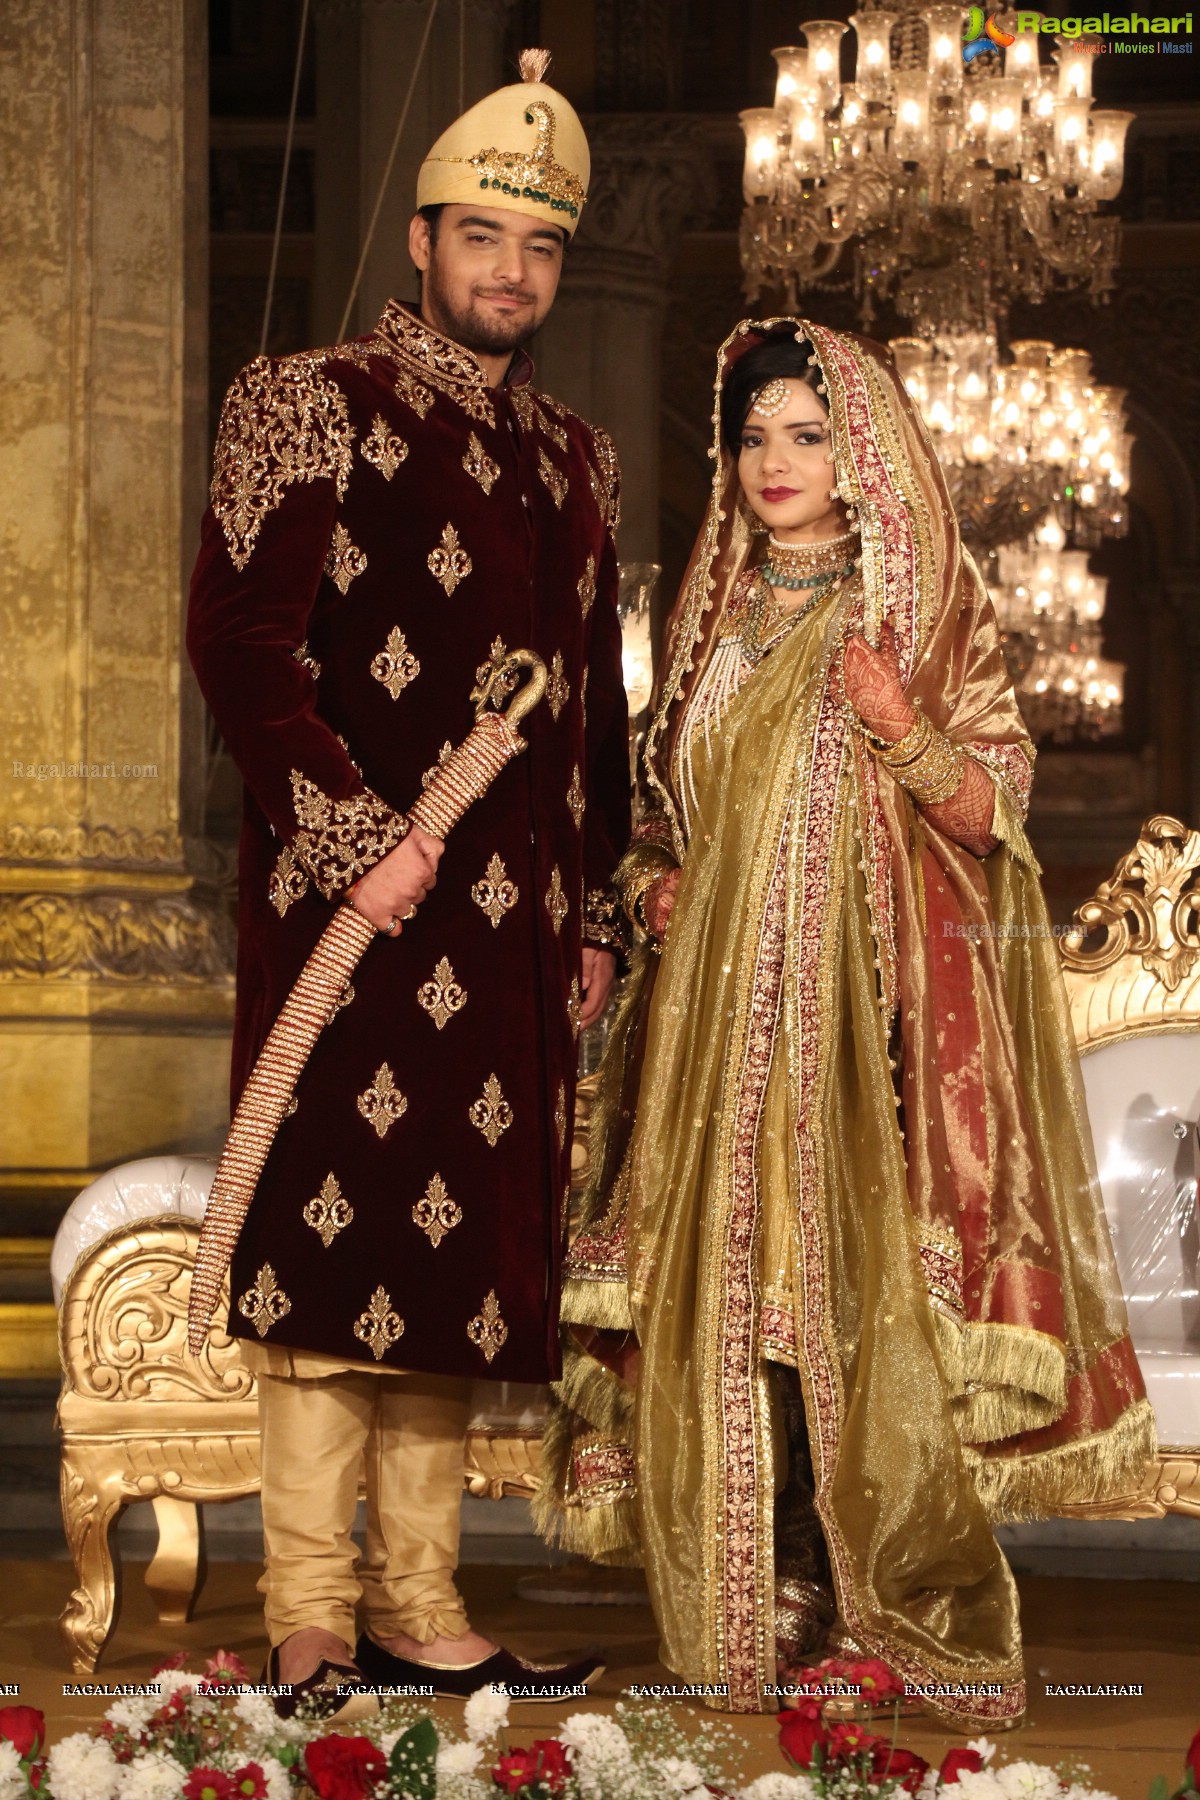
<point x="463" y="778"/>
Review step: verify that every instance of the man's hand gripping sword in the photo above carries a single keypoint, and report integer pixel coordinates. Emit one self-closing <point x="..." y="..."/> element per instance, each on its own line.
<point x="463" y="778"/>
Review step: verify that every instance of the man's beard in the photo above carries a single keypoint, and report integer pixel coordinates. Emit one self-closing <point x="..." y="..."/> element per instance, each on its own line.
<point x="484" y="337"/>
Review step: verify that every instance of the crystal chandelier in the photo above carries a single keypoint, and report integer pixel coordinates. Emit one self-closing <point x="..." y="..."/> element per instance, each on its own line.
<point x="1014" y="437"/>
<point x="1049" y="606"/>
<point x="959" y="189"/>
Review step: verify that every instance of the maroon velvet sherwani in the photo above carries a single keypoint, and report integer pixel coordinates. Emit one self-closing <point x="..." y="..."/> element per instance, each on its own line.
<point x="383" y="525"/>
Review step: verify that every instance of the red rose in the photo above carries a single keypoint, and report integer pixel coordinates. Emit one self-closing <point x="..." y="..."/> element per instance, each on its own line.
<point x="344" y="1768"/>
<point x="250" y="1783"/>
<point x="801" y="1733"/>
<point x="1191" y="1760"/>
<point x="958" y="1762"/>
<point x="904" y="1766"/>
<point x="24" y="1727"/>
<point x="545" y="1761"/>
<point x="207" y="1784"/>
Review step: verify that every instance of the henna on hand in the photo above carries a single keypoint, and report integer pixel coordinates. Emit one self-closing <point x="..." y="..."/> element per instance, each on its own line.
<point x="872" y="682"/>
<point x="967" y="815"/>
<point x="658" y="901"/>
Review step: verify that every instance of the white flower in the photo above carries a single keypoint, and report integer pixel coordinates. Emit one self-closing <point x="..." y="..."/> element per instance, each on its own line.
<point x="485" y="1713"/>
<point x="678" y="1775"/>
<point x="132" y="1711"/>
<point x="1028" y="1781"/>
<point x="458" y="1759"/>
<point x="982" y="1747"/>
<point x="778" y="1786"/>
<point x="603" y="1757"/>
<point x="12" y="1781"/>
<point x="174" y="1681"/>
<point x="83" y="1767"/>
<point x="279" y="1786"/>
<point x="151" y="1777"/>
<point x="256" y="1716"/>
<point x="978" y="1784"/>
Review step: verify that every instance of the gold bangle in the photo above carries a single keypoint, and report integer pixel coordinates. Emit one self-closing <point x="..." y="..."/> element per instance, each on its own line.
<point x="936" y="774"/>
<point x="898" y="753"/>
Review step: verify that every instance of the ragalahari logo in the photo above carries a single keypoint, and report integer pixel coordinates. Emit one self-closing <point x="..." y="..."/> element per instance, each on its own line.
<point x="983" y="35"/>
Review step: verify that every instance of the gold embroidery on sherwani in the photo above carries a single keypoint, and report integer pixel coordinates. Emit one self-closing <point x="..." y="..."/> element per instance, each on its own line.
<point x="444" y="755"/>
<point x="479" y="465"/>
<point x="383" y="448"/>
<point x="339" y="840"/>
<point x="265" y="1303"/>
<point x="558" y="689"/>
<point x="495" y="894"/>
<point x="306" y="660"/>
<point x="344" y="560"/>
<point x="497" y="657"/>
<point x="329" y="1211"/>
<point x="556" y="900"/>
<point x="449" y="563"/>
<point x="554" y="479"/>
<point x="435" y="1212"/>
<point x="395" y="665"/>
<point x="380" y="1326"/>
<point x="606" y="479"/>
<point x="574" y="1006"/>
<point x="414" y="393"/>
<point x="560" y="1114"/>
<point x="586" y="587"/>
<point x="553" y="431"/>
<point x="487" y="1330"/>
<point x="575" y="799"/>
<point x="382" y="1103"/>
<point x="442" y="997"/>
<point x="281" y="422"/>
<point x="450" y="368"/>
<point x="491" y="1113"/>
<point x="288" y="881"/>
<point x="345" y="997"/>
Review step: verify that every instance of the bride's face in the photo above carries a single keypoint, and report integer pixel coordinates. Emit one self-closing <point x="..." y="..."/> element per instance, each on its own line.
<point x="785" y="468"/>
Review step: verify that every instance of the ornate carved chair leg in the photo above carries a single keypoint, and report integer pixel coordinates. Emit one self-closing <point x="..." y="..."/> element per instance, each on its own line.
<point x="176" y="1573"/>
<point x="92" y="1499"/>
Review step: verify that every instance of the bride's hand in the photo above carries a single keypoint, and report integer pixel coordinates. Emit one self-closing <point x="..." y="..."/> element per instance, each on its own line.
<point x="660" y="898"/>
<point x="872" y="683"/>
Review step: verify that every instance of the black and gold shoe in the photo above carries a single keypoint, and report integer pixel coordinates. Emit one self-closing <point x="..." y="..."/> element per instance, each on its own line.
<point x="334" y="1692"/>
<point x="458" y="1681"/>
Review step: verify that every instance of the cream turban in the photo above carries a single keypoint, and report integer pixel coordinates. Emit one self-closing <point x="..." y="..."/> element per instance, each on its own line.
<point x="523" y="145"/>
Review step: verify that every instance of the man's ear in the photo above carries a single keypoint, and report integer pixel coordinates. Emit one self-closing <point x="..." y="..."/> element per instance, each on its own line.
<point x="418" y="241"/>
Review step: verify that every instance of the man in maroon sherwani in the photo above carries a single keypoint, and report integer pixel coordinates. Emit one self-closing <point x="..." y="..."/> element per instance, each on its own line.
<point x="389" y="517"/>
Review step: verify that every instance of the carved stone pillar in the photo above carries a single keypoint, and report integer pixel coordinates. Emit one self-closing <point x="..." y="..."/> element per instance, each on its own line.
<point x="365" y="53"/>
<point x="601" y="348"/>
<point x="115" y="976"/>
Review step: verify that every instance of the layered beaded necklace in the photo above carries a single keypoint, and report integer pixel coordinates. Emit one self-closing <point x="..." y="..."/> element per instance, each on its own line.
<point x="817" y="565"/>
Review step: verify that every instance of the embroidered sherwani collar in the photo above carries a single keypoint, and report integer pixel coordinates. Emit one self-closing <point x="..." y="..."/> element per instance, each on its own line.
<point x="415" y="343"/>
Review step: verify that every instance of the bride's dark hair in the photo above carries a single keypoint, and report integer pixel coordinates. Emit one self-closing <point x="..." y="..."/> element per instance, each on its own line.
<point x="775" y="357"/>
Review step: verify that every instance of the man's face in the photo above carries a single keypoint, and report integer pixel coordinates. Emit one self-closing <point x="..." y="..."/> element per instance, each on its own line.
<point x="490" y="277"/>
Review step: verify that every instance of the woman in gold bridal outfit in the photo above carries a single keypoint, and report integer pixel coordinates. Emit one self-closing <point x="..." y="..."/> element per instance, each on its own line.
<point x="843" y="1293"/>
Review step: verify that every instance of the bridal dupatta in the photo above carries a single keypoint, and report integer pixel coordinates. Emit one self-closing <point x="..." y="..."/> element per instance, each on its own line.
<point x="860" y="1145"/>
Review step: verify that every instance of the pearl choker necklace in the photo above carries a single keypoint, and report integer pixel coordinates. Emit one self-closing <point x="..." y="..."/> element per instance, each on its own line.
<point x="809" y="565"/>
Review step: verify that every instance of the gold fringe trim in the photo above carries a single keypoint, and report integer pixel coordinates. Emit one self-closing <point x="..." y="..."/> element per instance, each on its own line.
<point x="603" y="1304"/>
<point x="1014" y="1380"/>
<point x="949" y="1335"/>
<point x="1007" y="826"/>
<point x="604" y="1533"/>
<point x="1105" y="1466"/>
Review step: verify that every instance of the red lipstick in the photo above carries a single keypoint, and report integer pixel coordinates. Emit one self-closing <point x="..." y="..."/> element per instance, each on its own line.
<point x="771" y="495"/>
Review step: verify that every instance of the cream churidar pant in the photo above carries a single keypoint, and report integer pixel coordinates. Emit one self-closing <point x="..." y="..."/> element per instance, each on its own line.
<point x="318" y="1431"/>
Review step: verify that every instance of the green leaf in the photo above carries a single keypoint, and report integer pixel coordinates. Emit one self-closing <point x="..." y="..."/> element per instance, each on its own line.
<point x="1158" y="1788"/>
<point x="413" y="1758"/>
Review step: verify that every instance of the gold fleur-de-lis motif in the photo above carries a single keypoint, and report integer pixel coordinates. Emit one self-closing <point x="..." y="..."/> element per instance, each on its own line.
<point x="556" y="900"/>
<point x="449" y="563"/>
<point x="574" y="1006"/>
<point x="329" y="1211"/>
<point x="444" y="755"/>
<point x="442" y="997"/>
<point x="435" y="1212"/>
<point x="587" y="586"/>
<point x="575" y="799"/>
<point x="558" y="689"/>
<point x="382" y="1103"/>
<point x="288" y="881"/>
<point x="265" y="1303"/>
<point x="383" y="448"/>
<point x="495" y="894"/>
<point x="487" y="1330"/>
<point x="491" y="1113"/>
<point x="554" y="479"/>
<point x="344" y="560"/>
<point x="380" y="1326"/>
<point x="303" y="656"/>
<point x="486" y="671"/>
<point x="560" y="1115"/>
<point x="395" y="666"/>
<point x="480" y="465"/>
<point x="414" y="393"/>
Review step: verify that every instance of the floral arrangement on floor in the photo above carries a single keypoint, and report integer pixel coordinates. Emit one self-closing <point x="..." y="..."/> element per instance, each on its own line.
<point x="203" y="1737"/>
